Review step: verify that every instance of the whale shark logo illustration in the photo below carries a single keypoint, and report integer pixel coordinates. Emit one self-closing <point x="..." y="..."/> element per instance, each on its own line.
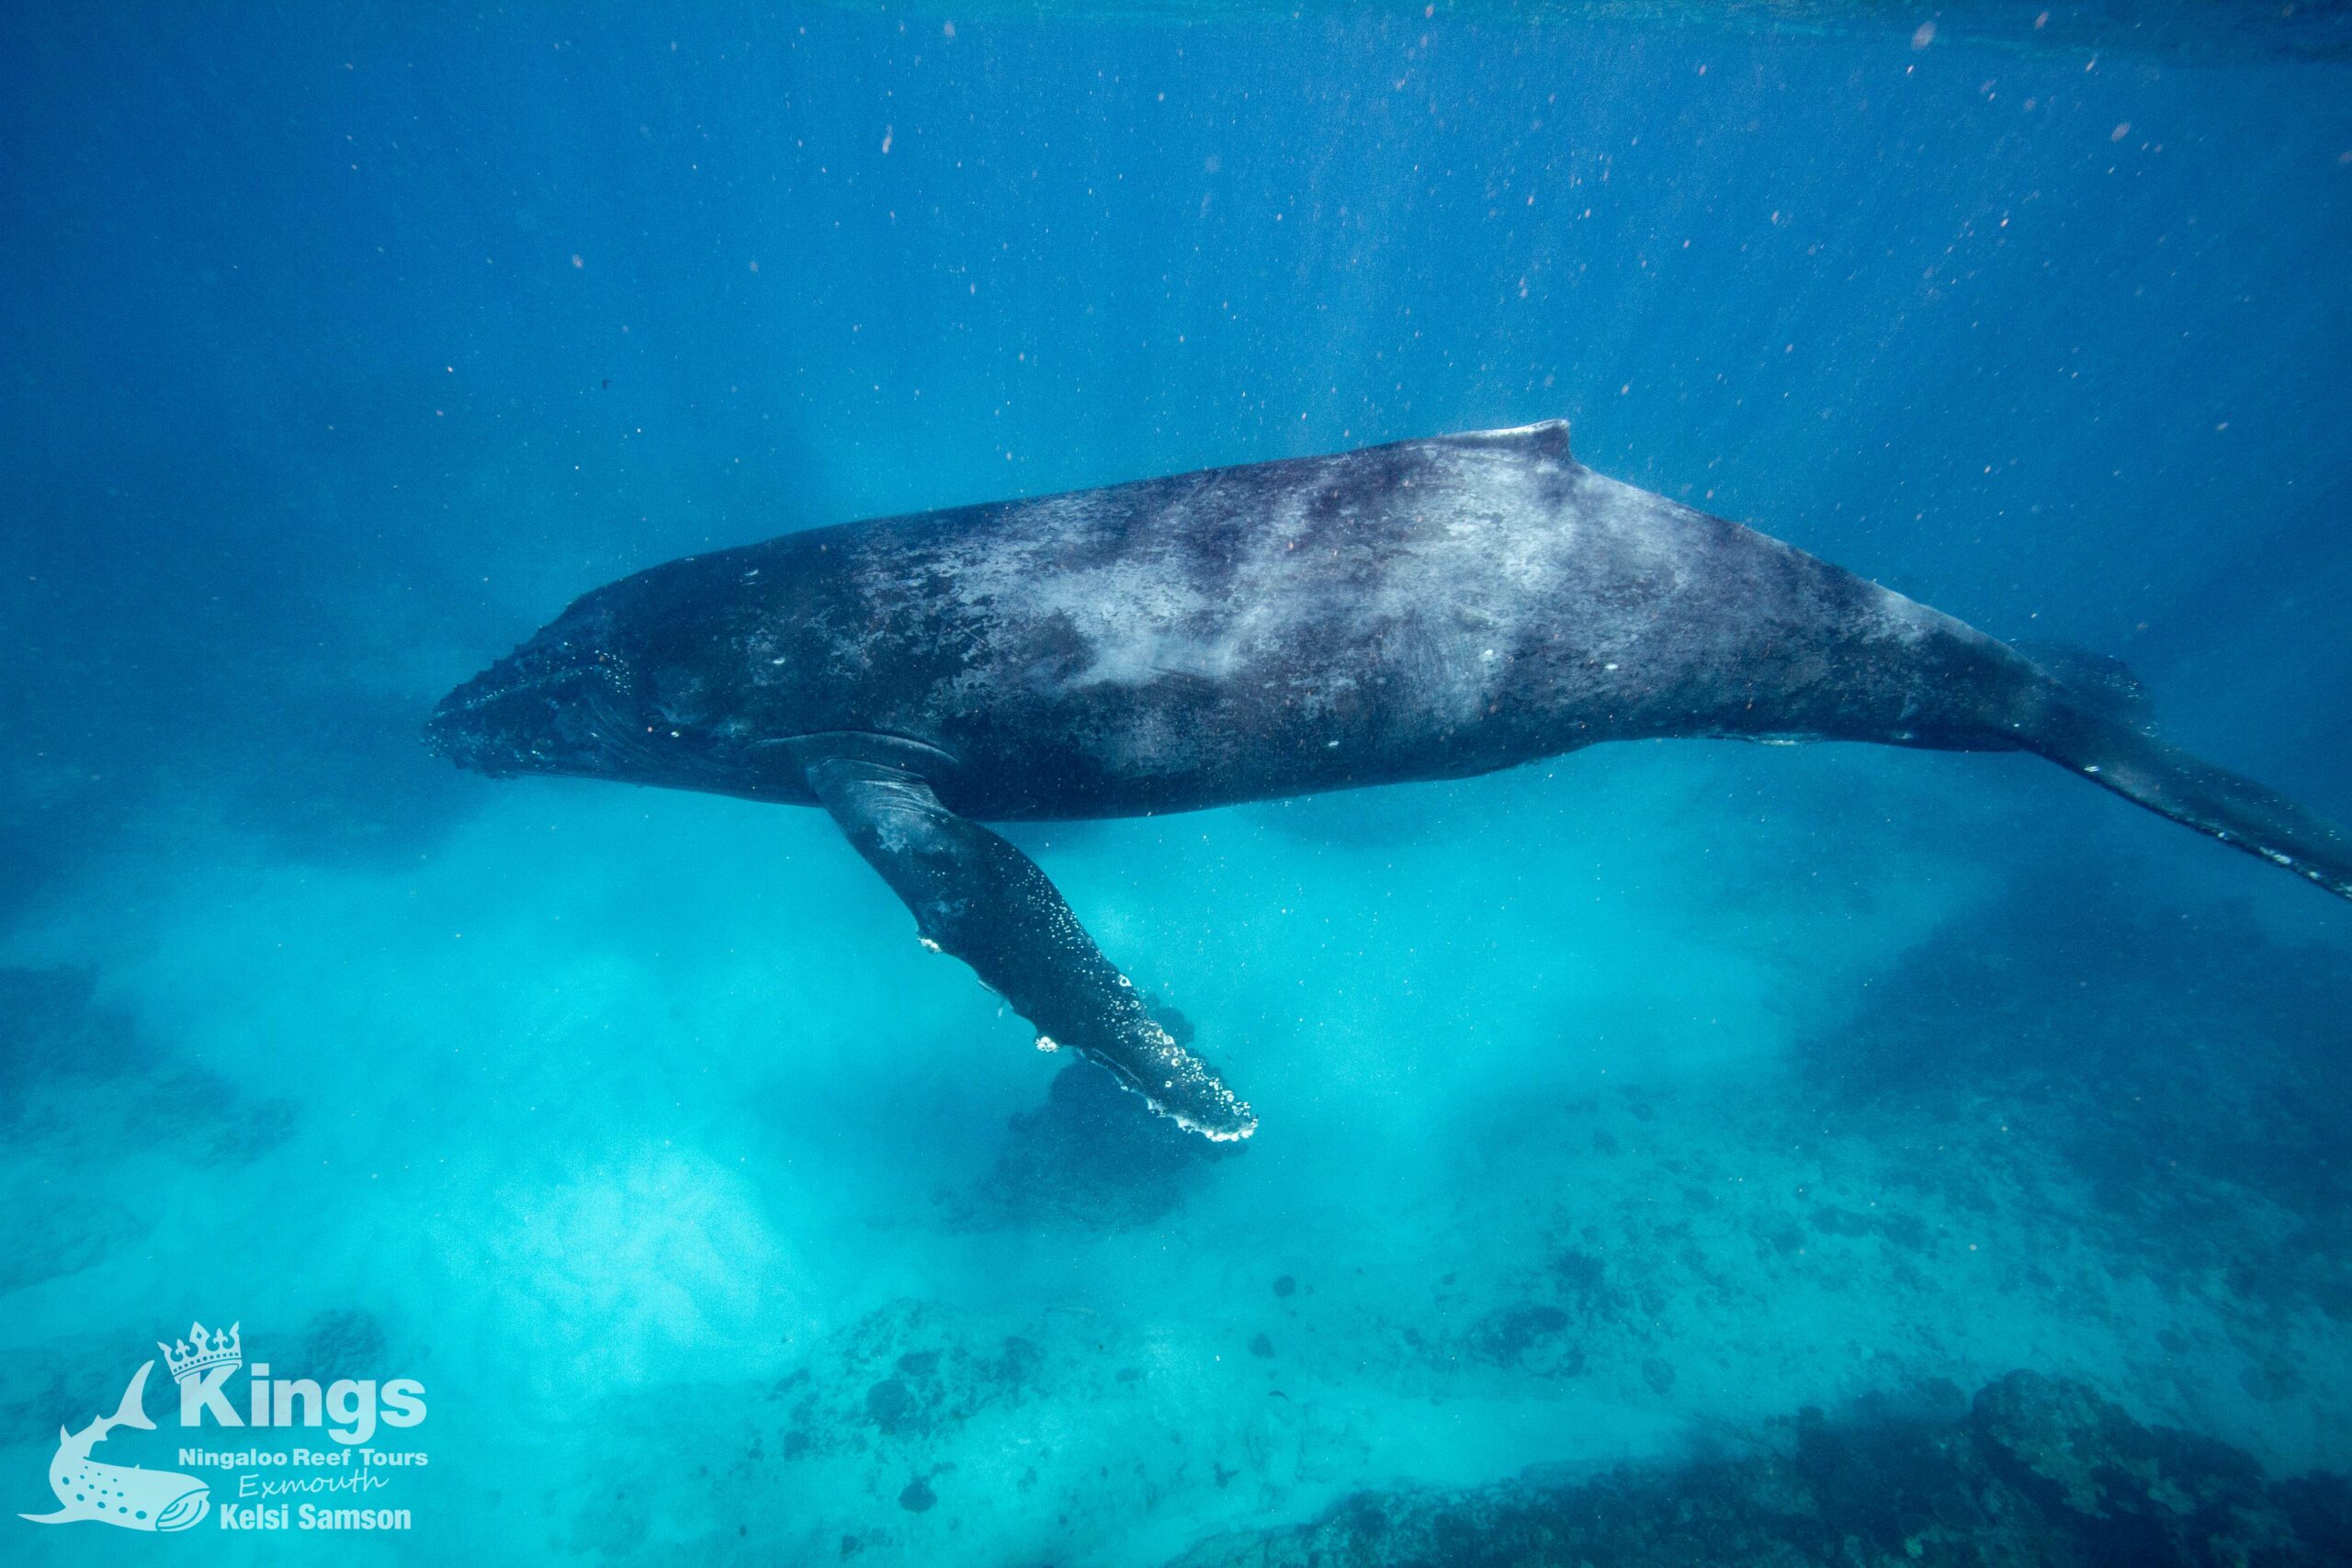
<point x="115" y="1494"/>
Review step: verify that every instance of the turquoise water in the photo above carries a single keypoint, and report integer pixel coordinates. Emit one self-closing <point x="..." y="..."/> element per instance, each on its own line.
<point x="1615" y="1110"/>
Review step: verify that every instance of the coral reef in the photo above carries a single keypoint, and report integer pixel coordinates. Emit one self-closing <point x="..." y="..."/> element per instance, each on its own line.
<point x="2034" y="1471"/>
<point x="1093" y="1155"/>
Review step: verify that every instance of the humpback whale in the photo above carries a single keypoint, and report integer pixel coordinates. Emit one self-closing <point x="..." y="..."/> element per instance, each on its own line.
<point x="1427" y="609"/>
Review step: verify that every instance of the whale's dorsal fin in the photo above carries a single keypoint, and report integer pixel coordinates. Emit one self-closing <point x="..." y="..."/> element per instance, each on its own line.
<point x="976" y="896"/>
<point x="1548" y="436"/>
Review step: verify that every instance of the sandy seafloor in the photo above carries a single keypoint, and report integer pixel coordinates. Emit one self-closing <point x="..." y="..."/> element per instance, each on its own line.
<point x="1610" y="1108"/>
<point x="1622" y="1107"/>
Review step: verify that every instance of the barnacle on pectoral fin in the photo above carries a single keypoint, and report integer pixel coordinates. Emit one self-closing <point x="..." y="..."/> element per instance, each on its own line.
<point x="1179" y="1084"/>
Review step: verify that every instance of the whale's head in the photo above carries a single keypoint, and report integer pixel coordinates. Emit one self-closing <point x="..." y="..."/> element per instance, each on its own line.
<point x="636" y="683"/>
<point x="571" y="700"/>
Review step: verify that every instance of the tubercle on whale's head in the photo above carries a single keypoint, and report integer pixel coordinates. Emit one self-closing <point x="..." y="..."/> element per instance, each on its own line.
<point x="536" y="710"/>
<point x="672" y="677"/>
<point x="571" y="700"/>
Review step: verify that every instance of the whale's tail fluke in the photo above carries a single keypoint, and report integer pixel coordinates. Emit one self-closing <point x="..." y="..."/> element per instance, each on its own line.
<point x="2090" y="716"/>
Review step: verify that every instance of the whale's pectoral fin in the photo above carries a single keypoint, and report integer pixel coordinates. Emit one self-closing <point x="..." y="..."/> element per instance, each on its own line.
<point x="976" y="896"/>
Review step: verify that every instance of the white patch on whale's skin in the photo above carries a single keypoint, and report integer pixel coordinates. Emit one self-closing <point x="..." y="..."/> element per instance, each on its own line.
<point x="1447" y="606"/>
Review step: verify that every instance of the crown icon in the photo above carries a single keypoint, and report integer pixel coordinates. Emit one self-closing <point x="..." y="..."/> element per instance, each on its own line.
<point x="210" y="1351"/>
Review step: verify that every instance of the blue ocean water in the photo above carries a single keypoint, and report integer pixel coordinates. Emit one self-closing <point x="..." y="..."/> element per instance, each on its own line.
<point x="1616" y="1109"/>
